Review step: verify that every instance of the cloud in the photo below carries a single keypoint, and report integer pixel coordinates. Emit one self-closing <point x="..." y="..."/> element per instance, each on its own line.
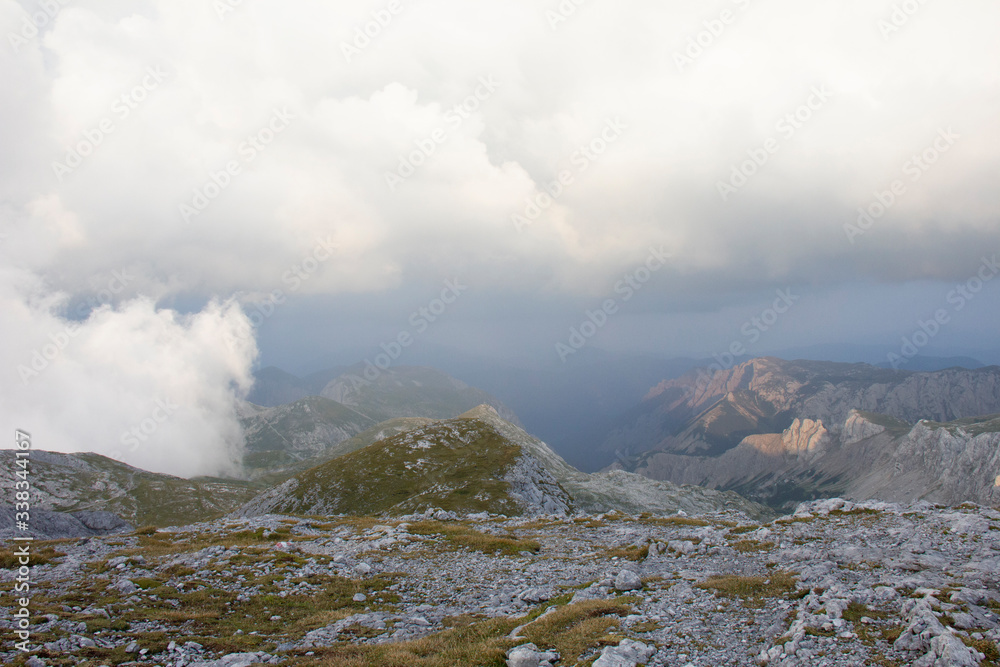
<point x="120" y="115"/>
<point x="353" y="121"/>
<point x="144" y="385"/>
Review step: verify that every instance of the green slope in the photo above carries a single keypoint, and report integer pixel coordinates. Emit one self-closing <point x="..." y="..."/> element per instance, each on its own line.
<point x="455" y="465"/>
<point x="74" y="482"/>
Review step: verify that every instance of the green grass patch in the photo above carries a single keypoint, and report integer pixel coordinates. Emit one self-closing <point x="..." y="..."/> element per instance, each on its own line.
<point x="575" y="629"/>
<point x="751" y="546"/>
<point x="632" y="553"/>
<point x="985" y="646"/>
<point x="484" y="643"/>
<point x="463" y="535"/>
<point x="675" y="521"/>
<point x="39" y="555"/>
<point x="856" y="611"/>
<point x="752" y="590"/>
<point x="457" y="465"/>
<point x="741" y="530"/>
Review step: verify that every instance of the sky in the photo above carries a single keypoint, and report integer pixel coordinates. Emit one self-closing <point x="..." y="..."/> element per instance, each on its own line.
<point x="189" y="190"/>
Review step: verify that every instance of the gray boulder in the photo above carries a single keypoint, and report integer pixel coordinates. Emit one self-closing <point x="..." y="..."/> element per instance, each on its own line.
<point x="628" y="653"/>
<point x="48" y="525"/>
<point x="628" y="581"/>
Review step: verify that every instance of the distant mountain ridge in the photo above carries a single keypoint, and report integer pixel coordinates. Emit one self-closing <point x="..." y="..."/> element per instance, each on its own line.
<point x="705" y="414"/>
<point x="474" y="463"/>
<point x="91" y="483"/>
<point x="299" y="431"/>
<point x="281" y="439"/>
<point x="379" y="394"/>
<point x="274" y="387"/>
<point x="408" y="391"/>
<point x="875" y="457"/>
<point x="779" y="432"/>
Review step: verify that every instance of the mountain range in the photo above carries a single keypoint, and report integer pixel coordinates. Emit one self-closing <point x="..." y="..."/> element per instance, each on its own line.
<point x="280" y="438"/>
<point x="782" y="431"/>
<point x="73" y="483"/>
<point x="765" y="432"/>
<point x="477" y="462"/>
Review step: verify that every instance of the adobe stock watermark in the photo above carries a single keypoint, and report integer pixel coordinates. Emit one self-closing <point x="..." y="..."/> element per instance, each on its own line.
<point x="248" y="150"/>
<point x="121" y="109"/>
<point x="142" y="431"/>
<point x="900" y="16"/>
<point x="31" y="24"/>
<point x="626" y="288"/>
<point x="753" y="329"/>
<point x="913" y="170"/>
<point x="225" y="7"/>
<point x="426" y="147"/>
<point x="420" y="321"/>
<point x="581" y="159"/>
<point x="958" y="298"/>
<point x="21" y="621"/>
<point x="563" y="12"/>
<point x="786" y="127"/>
<point x="370" y="30"/>
<point x="296" y="276"/>
<point x="42" y="357"/>
<point x="104" y="297"/>
<point x="705" y="39"/>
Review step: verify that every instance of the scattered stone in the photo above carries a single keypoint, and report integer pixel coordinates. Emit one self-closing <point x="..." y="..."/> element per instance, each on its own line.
<point x="536" y="595"/>
<point x="628" y="653"/>
<point x="628" y="581"/>
<point x="906" y="564"/>
<point x="528" y="655"/>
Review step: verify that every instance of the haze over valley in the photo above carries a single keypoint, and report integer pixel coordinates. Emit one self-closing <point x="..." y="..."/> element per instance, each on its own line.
<point x="500" y="334"/>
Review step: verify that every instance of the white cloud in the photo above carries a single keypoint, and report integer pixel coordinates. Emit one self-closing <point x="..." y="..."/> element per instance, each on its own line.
<point x="324" y="175"/>
<point x="144" y="385"/>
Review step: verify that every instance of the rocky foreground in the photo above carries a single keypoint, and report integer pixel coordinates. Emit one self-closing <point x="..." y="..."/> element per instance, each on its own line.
<point x="833" y="584"/>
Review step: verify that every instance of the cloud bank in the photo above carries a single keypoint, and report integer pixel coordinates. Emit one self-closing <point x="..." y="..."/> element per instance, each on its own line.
<point x="231" y="150"/>
<point x="143" y="385"/>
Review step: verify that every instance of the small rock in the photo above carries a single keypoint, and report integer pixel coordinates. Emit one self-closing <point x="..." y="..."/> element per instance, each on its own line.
<point x="359" y="597"/>
<point x="126" y="587"/>
<point x="628" y="581"/>
<point x="963" y="621"/>
<point x="535" y="595"/>
<point x="528" y="655"/>
<point x="628" y="653"/>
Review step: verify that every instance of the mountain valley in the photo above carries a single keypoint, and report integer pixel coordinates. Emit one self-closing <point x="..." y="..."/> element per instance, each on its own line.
<point x="777" y="513"/>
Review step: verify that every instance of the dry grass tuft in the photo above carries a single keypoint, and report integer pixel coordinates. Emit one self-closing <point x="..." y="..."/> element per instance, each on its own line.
<point x="751" y="590"/>
<point x="632" y="553"/>
<point x="483" y="643"/>
<point x="675" y="521"/>
<point x="463" y="535"/>
<point x="575" y="629"/>
<point x="751" y="546"/>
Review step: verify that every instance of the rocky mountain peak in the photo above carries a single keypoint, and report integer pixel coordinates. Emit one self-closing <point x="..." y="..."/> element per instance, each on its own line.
<point x="805" y="436"/>
<point x="483" y="411"/>
<point x="858" y="427"/>
<point x="475" y="462"/>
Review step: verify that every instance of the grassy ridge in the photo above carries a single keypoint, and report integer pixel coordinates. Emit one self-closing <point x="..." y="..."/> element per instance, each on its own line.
<point x="457" y="465"/>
